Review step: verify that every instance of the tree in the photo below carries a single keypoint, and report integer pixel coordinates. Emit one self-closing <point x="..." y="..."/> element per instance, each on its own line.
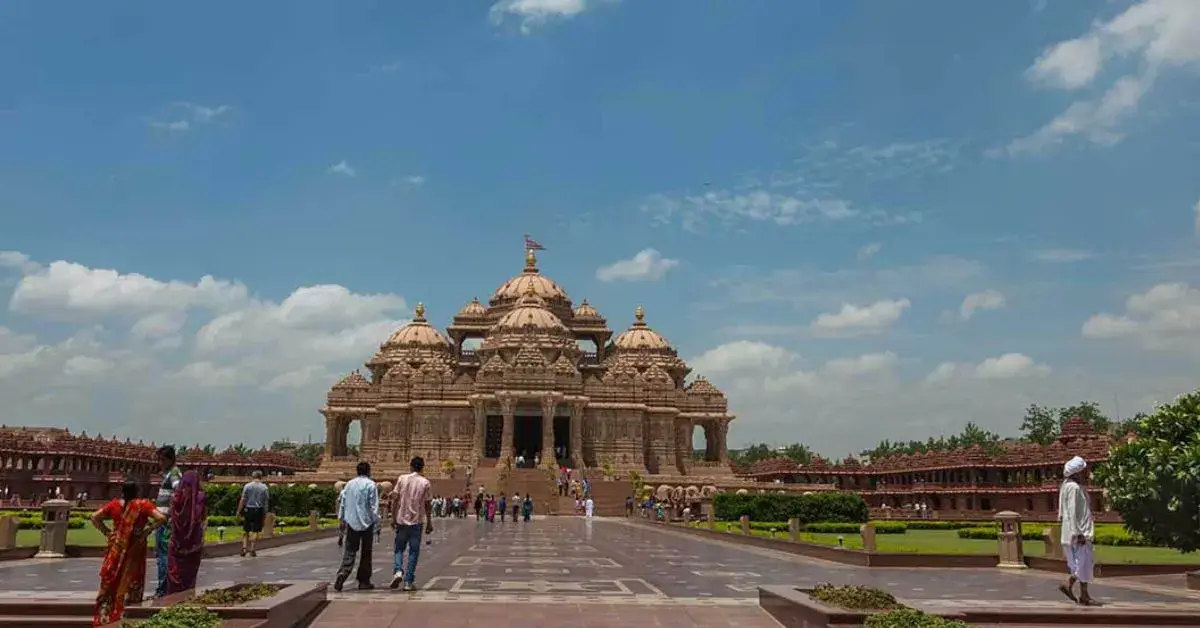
<point x="1154" y="479"/>
<point x="1040" y="424"/>
<point x="798" y="452"/>
<point x="1043" y="424"/>
<point x="752" y="454"/>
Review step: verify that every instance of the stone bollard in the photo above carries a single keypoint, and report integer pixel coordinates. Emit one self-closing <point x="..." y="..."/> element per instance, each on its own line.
<point x="8" y="532"/>
<point x="56" y="514"/>
<point x="1011" y="546"/>
<point x="745" y="521"/>
<point x="314" y="521"/>
<point x="794" y="529"/>
<point x="867" y="530"/>
<point x="712" y="518"/>
<point x="1052" y="537"/>
<point x="269" y="525"/>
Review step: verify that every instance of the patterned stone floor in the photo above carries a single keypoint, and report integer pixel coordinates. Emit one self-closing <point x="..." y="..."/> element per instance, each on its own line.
<point x="569" y="571"/>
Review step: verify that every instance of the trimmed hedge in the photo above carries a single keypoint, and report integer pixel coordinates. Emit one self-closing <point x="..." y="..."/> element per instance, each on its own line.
<point x="775" y="507"/>
<point x="1031" y="533"/>
<point x="881" y="527"/>
<point x="286" y="501"/>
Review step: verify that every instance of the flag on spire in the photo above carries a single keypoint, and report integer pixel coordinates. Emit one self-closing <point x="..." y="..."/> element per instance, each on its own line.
<point x="532" y="245"/>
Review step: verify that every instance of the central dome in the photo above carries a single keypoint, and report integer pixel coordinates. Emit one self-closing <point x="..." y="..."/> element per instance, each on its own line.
<point x="530" y="313"/>
<point x="529" y="279"/>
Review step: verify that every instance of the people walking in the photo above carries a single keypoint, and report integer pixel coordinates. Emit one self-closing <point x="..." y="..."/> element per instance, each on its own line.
<point x="410" y="499"/>
<point x="1078" y="532"/>
<point x="360" y="512"/>
<point x="252" y="509"/>
<point x="526" y="508"/>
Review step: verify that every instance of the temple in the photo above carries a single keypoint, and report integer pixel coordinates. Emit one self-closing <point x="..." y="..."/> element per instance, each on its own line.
<point x="963" y="484"/>
<point x="528" y="376"/>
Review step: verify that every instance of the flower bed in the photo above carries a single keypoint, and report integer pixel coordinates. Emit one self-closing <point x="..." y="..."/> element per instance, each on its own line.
<point x="282" y="604"/>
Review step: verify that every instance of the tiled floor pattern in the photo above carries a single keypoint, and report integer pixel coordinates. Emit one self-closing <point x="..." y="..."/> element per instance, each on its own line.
<point x="573" y="571"/>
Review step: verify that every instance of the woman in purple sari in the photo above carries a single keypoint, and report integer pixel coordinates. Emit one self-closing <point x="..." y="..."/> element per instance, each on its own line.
<point x="188" y="519"/>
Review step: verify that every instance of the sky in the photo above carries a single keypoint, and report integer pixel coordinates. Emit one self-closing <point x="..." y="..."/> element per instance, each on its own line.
<point x="862" y="220"/>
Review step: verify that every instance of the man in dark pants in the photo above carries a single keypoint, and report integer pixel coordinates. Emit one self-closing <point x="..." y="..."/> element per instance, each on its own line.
<point x="252" y="507"/>
<point x="359" y="511"/>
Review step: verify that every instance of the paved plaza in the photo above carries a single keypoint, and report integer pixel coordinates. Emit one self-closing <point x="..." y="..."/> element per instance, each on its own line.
<point x="570" y="571"/>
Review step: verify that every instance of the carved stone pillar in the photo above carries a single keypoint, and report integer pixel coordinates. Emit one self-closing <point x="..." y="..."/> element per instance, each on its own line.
<point x="683" y="446"/>
<point x="508" y="407"/>
<point x="549" y="403"/>
<point x="723" y="442"/>
<point x="577" y="434"/>
<point x="480" y="410"/>
<point x="329" y="437"/>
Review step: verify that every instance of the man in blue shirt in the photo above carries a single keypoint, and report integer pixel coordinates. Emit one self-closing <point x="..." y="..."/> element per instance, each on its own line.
<point x="162" y="535"/>
<point x="359" y="511"/>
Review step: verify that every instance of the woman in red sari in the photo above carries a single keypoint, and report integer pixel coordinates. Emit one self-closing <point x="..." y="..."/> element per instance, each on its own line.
<point x="188" y="518"/>
<point x="123" y="573"/>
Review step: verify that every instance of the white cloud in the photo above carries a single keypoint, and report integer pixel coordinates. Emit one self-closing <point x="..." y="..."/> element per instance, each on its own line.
<point x="1196" y="210"/>
<point x="979" y="301"/>
<point x="414" y="180"/>
<point x="66" y="291"/>
<point x="1061" y="256"/>
<point x="826" y="289"/>
<point x="533" y="14"/>
<point x="868" y="251"/>
<point x="1156" y="34"/>
<point x="148" y="353"/>
<point x="17" y="261"/>
<point x="818" y="187"/>
<point x="1007" y="366"/>
<point x="646" y="265"/>
<point x="192" y="114"/>
<point x="342" y="168"/>
<point x="853" y="320"/>
<point x="742" y="355"/>
<point x="1164" y="318"/>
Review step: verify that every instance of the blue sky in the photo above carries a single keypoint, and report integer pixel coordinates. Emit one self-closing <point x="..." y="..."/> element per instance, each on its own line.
<point x="817" y="189"/>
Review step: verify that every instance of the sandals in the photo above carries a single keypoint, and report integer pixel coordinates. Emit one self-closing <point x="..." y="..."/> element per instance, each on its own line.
<point x="1062" y="588"/>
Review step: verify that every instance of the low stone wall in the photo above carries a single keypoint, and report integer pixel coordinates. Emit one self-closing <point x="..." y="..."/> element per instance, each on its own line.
<point x="908" y="560"/>
<point x="840" y="555"/>
<point x="211" y="550"/>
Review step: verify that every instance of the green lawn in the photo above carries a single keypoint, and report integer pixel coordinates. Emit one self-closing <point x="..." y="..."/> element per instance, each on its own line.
<point x="948" y="542"/>
<point x="89" y="536"/>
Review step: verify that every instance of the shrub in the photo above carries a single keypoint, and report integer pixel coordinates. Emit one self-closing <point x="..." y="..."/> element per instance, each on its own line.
<point x="774" y="507"/>
<point x="942" y="525"/>
<point x="232" y="596"/>
<point x="286" y="501"/>
<point x="910" y="618"/>
<point x="1035" y="533"/>
<point x="881" y="527"/>
<point x="853" y="597"/>
<point x="178" y="616"/>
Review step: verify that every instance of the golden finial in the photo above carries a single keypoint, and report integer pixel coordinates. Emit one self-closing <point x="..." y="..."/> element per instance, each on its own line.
<point x="475" y="300"/>
<point x="639" y="313"/>
<point x="420" y="311"/>
<point x="530" y="260"/>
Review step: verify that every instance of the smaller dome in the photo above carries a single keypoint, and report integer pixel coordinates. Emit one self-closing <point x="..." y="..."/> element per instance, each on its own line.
<point x="418" y="332"/>
<point x="530" y="312"/>
<point x="586" y="311"/>
<point x="639" y="336"/>
<point x="474" y="309"/>
<point x="354" y="380"/>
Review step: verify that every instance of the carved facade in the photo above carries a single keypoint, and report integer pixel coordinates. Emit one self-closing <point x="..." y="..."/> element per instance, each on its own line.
<point x="529" y="374"/>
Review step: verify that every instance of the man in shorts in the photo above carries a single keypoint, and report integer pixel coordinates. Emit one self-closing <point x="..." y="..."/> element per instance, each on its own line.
<point x="252" y="508"/>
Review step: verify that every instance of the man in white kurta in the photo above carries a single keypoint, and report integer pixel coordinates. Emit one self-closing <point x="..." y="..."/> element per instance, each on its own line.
<point x="1078" y="531"/>
<point x="589" y="506"/>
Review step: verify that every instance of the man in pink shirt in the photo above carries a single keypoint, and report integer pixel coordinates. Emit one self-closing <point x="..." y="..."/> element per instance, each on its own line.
<point x="410" y="498"/>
